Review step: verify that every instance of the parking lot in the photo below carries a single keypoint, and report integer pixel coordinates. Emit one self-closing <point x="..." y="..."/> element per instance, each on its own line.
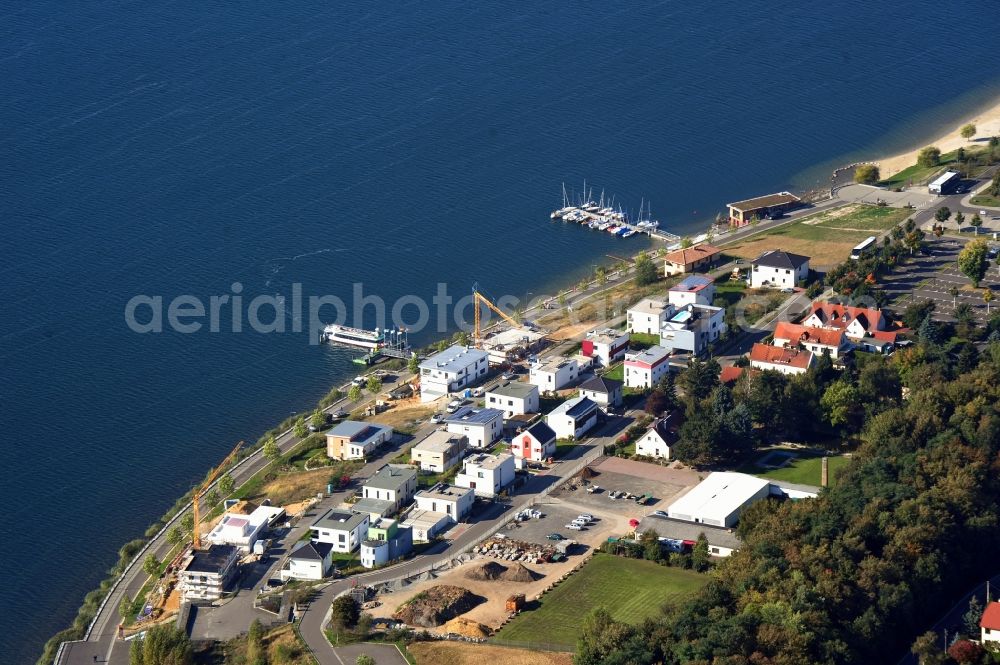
<point x="557" y="516"/>
<point x="933" y="275"/>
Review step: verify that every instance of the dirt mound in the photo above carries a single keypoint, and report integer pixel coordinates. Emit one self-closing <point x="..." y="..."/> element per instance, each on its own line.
<point x="437" y="605"/>
<point x="492" y="571"/>
<point x="467" y="628"/>
<point x="489" y="571"/>
<point x="518" y="573"/>
<point x="587" y="473"/>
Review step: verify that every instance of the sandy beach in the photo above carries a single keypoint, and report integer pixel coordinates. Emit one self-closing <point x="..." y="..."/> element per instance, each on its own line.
<point x="987" y="124"/>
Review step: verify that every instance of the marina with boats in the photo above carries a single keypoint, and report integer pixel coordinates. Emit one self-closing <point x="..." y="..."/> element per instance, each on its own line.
<point x="603" y="215"/>
<point x="391" y="342"/>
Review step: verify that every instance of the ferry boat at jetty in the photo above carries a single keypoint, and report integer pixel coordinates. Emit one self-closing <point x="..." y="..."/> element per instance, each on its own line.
<point x="365" y="339"/>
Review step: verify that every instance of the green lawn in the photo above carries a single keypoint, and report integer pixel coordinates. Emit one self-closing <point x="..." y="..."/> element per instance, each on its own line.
<point x="729" y="292"/>
<point x="921" y="174"/>
<point x="803" y="470"/>
<point x="617" y="372"/>
<point x="631" y="589"/>
<point x="985" y="200"/>
<point x="642" y="341"/>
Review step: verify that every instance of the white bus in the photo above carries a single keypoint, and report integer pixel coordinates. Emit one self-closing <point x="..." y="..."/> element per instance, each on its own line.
<point x="863" y="248"/>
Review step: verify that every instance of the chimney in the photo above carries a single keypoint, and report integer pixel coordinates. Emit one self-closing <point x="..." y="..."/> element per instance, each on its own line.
<point x="824" y="474"/>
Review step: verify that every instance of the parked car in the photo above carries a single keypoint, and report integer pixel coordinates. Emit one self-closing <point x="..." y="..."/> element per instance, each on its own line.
<point x="659" y="513"/>
<point x="437" y="418"/>
<point x="556" y="536"/>
<point x="586" y="516"/>
<point x="478" y="392"/>
<point x="454" y="405"/>
<point x="788" y="289"/>
<point x="574" y="527"/>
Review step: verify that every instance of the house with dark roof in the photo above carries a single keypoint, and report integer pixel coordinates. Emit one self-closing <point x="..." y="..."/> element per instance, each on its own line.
<point x="606" y="392"/>
<point x="778" y="269"/>
<point x="761" y="207"/>
<point x="690" y="259"/>
<point x="573" y="418"/>
<point x="308" y="561"/>
<point x="537" y="443"/>
<point x="205" y="574"/>
<point x="659" y="438"/>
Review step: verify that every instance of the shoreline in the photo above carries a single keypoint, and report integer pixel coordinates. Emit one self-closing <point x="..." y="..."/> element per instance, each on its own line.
<point x="986" y="120"/>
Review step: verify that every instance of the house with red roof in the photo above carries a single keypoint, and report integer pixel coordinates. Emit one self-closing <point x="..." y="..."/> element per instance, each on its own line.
<point x="830" y="341"/>
<point x="690" y="259"/>
<point x="856" y="322"/>
<point x="784" y="359"/>
<point x="989" y="625"/>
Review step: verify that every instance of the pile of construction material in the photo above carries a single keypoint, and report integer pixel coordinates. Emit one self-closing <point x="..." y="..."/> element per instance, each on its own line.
<point x="507" y="549"/>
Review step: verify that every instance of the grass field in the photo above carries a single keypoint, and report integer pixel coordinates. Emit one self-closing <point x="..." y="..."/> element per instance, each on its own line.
<point x="803" y="470"/>
<point x="985" y="200"/>
<point x="921" y="174"/>
<point x="616" y="372"/>
<point x="827" y="237"/>
<point x="630" y="589"/>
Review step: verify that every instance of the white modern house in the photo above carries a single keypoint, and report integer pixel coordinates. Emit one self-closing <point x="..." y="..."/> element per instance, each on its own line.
<point x="455" y="502"/>
<point x="355" y="439"/>
<point x="606" y="392"/>
<point x="554" y="373"/>
<point x="451" y="370"/>
<point x="244" y="530"/>
<point x="439" y="451"/>
<point x="342" y="529"/>
<point x="644" y="369"/>
<point x="387" y="540"/>
<point x="390" y="489"/>
<point x="514" y="398"/>
<point x="692" y="328"/>
<point x="783" y="359"/>
<point x="573" y="418"/>
<point x="647" y="316"/>
<point x="480" y="426"/>
<point x="308" y="561"/>
<point x="692" y="290"/>
<point x="536" y="444"/>
<point x="605" y="345"/>
<point x="487" y="475"/>
<point x="426" y="524"/>
<point x="657" y="440"/>
<point x="778" y="269"/>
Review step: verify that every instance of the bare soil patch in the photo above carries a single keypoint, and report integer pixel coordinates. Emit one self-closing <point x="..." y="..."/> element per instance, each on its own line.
<point x="460" y="653"/>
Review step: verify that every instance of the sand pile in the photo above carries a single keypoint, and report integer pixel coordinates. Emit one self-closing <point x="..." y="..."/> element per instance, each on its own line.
<point x="587" y="473"/>
<point x="467" y="628"/>
<point x="436" y="606"/>
<point x="492" y="571"/>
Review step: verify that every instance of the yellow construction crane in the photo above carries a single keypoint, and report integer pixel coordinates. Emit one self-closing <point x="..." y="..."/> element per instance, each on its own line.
<point x="480" y="298"/>
<point x="195" y="536"/>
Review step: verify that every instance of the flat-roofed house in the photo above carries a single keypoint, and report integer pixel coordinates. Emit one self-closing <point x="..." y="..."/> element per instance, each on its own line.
<point x="353" y="439"/>
<point x="451" y="370"/>
<point x="692" y="328"/>
<point x="647" y="316"/>
<point x="605" y="346"/>
<point x="455" y="502"/>
<point x="343" y="529"/>
<point x="487" y="475"/>
<point x="554" y="373"/>
<point x="761" y="207"/>
<point x="439" y="451"/>
<point x="205" y="574"/>
<point x="480" y="426"/>
<point x="514" y="398"/>
<point x="692" y="290"/>
<point x="644" y="369"/>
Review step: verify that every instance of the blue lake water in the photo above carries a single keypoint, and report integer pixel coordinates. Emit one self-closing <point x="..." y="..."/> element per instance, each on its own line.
<point x="180" y="147"/>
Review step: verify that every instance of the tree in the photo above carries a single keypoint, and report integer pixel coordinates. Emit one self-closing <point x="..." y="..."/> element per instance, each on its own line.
<point x="699" y="554"/>
<point x="915" y="313"/>
<point x="271" y="449"/>
<point x="561" y="299"/>
<point x="928" y="650"/>
<point x="227" y="484"/>
<point x="151" y="565"/>
<point x="967" y="131"/>
<point x="914" y="240"/>
<point x="175" y="535"/>
<point x="344" y="612"/>
<point x="929" y="156"/>
<point x="987" y="298"/>
<point x="300" y="430"/>
<point x="699" y="379"/>
<point x="972" y="261"/>
<point x="601" y="275"/>
<point x="965" y="651"/>
<point x="840" y="404"/>
<point x="374" y="384"/>
<point x="976" y="222"/>
<point x="953" y="292"/>
<point x="413" y="364"/>
<point x="970" y="620"/>
<point x="317" y="419"/>
<point x="364" y="659"/>
<point x="162" y="645"/>
<point x="651" y="550"/>
<point x="867" y="174"/>
<point x="942" y="214"/>
<point x="645" y="270"/>
<point x="256" y="652"/>
<point x="354" y="394"/>
<point x="686" y="242"/>
<point x="959" y="219"/>
<point x="125" y="609"/>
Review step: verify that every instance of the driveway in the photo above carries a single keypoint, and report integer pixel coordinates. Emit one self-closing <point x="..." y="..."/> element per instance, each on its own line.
<point x="916" y="197"/>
